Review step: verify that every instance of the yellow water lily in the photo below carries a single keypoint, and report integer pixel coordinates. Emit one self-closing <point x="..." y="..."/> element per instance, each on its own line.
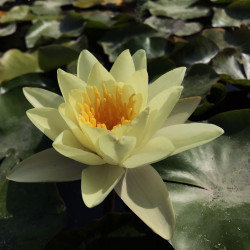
<point x="108" y="127"/>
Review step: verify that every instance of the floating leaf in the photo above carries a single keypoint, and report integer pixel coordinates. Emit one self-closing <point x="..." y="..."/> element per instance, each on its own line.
<point x="217" y="36"/>
<point x="8" y="30"/>
<point x="17" y="13"/>
<point x="199" y="80"/>
<point x="197" y="50"/>
<point x="222" y="19"/>
<point x="171" y="26"/>
<point x="239" y="9"/>
<point x="15" y="63"/>
<point x="72" y="24"/>
<point x="176" y="9"/>
<point x="215" y="212"/>
<point x="42" y="28"/>
<point x="230" y="69"/>
<point x="55" y="56"/>
<point x="17" y="132"/>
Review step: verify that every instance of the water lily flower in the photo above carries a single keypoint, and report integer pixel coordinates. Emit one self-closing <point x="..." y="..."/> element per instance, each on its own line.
<point x="108" y="127"/>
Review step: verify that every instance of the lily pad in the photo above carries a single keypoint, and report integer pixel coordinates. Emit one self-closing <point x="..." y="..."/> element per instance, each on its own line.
<point x="15" y="63"/>
<point x="55" y="56"/>
<point x="17" y="13"/>
<point x="176" y="9"/>
<point x="229" y="68"/>
<point x="217" y="36"/>
<point x="222" y="19"/>
<point x="210" y="186"/>
<point x="198" y="50"/>
<point x="8" y="29"/>
<point x="168" y="27"/>
<point x="133" y="36"/>
<point x="16" y="131"/>
<point x="42" y="28"/>
<point x="35" y="208"/>
<point x="199" y="80"/>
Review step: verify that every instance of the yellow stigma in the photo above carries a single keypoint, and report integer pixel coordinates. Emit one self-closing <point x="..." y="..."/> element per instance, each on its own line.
<point x="108" y="111"/>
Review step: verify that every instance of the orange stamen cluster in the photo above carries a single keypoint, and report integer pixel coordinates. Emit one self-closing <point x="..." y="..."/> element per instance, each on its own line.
<point x="108" y="111"/>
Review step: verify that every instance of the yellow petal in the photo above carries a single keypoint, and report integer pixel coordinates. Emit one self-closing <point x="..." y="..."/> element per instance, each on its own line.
<point x="135" y="128"/>
<point x="140" y="60"/>
<point x="144" y="192"/>
<point x="99" y="75"/>
<point x="67" y="114"/>
<point x="168" y="80"/>
<point x="84" y="65"/>
<point x="186" y="136"/>
<point x="115" y="150"/>
<point x="39" y="97"/>
<point x="47" y="166"/>
<point x="160" y="107"/>
<point x="68" y="82"/>
<point x="98" y="181"/>
<point x="139" y="82"/>
<point x="123" y="67"/>
<point x="67" y="145"/>
<point x="155" y="150"/>
<point x="182" y="110"/>
<point x="48" y="120"/>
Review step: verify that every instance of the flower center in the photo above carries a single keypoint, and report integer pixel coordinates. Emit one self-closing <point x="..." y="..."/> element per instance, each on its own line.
<point x="108" y="111"/>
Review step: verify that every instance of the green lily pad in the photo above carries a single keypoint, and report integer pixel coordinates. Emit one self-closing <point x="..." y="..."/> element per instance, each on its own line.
<point x="199" y="80"/>
<point x="42" y="28"/>
<point x="8" y="29"/>
<point x="217" y="36"/>
<point x="239" y="9"/>
<point x="16" y="131"/>
<point x="133" y="36"/>
<point x="210" y="187"/>
<point x="99" y="20"/>
<point x="112" y="232"/>
<point x="31" y="79"/>
<point x="55" y="56"/>
<point x="72" y="24"/>
<point x="170" y="26"/>
<point x="33" y="214"/>
<point x="159" y="66"/>
<point x="15" y="63"/>
<point x="17" y="13"/>
<point x="198" y="50"/>
<point x="239" y="38"/>
<point x="229" y="68"/>
<point x="176" y="9"/>
<point x="46" y="8"/>
<point x="222" y="19"/>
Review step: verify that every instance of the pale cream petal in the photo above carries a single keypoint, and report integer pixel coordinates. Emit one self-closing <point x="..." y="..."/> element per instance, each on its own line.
<point x="98" y="181"/>
<point x="190" y="135"/>
<point x="68" y="82"/>
<point x="144" y="192"/>
<point x="168" y="80"/>
<point x="115" y="150"/>
<point x="160" y="107"/>
<point x="123" y="67"/>
<point x="182" y="110"/>
<point x="67" y="145"/>
<point x="84" y="65"/>
<point x="99" y="75"/>
<point x="39" y="98"/>
<point x="155" y="150"/>
<point x="139" y="82"/>
<point x="48" y="120"/>
<point x="68" y="115"/>
<point x="140" y="60"/>
<point x="47" y="166"/>
<point x="135" y="128"/>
